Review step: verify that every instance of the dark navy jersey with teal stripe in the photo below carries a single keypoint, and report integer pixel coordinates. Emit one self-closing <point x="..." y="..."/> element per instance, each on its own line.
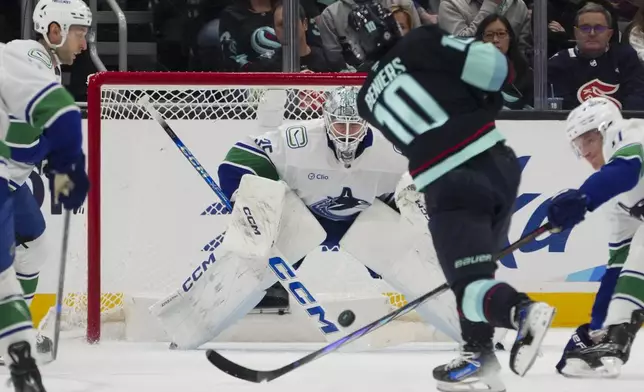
<point x="435" y="97"/>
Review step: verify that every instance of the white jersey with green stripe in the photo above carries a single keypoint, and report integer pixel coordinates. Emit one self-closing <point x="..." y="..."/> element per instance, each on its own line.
<point x="33" y="96"/>
<point x="625" y="141"/>
<point x="300" y="155"/>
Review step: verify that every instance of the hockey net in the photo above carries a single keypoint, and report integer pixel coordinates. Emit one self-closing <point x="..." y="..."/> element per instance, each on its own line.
<point x="150" y="218"/>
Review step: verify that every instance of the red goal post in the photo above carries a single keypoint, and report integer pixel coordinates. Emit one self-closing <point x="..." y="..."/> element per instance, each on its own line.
<point x="123" y="254"/>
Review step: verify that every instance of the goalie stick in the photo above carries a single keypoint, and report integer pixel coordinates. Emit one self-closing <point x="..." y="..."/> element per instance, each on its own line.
<point x="259" y="376"/>
<point x="145" y="102"/>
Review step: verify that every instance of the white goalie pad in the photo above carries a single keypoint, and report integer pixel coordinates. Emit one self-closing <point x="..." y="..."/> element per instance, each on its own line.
<point x="405" y="258"/>
<point x="268" y="220"/>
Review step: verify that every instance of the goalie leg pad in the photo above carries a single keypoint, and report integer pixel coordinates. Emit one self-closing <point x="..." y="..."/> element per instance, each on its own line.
<point x="229" y="289"/>
<point x="405" y="259"/>
<point x="196" y="314"/>
<point x="629" y="291"/>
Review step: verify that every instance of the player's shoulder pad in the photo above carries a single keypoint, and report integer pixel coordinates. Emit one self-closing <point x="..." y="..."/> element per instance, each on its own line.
<point x="625" y="140"/>
<point x="302" y="134"/>
<point x="30" y="52"/>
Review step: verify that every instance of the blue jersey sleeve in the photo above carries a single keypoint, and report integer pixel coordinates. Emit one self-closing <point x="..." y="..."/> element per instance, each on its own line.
<point x="617" y="176"/>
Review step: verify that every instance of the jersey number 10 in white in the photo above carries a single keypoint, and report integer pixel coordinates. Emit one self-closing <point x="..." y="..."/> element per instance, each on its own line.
<point x="413" y="124"/>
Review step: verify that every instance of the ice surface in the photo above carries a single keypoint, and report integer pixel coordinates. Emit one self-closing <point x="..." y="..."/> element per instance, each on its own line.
<point x="142" y="367"/>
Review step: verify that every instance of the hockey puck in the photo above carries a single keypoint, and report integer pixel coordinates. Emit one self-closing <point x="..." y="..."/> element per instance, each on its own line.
<point x="346" y="318"/>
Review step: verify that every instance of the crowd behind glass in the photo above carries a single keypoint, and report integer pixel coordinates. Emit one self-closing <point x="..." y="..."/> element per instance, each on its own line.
<point x="594" y="47"/>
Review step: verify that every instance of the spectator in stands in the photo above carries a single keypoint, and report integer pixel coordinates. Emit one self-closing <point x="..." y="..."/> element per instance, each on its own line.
<point x="340" y="40"/>
<point x="403" y="17"/>
<point x="463" y="17"/>
<point x="312" y="10"/>
<point x="595" y="67"/>
<point x="497" y="29"/>
<point x="561" y="23"/>
<point x="247" y="35"/>
<point x="634" y="34"/>
<point x="312" y="58"/>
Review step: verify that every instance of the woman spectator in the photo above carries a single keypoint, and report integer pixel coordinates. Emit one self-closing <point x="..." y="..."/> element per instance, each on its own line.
<point x="496" y="29"/>
<point x="634" y="34"/>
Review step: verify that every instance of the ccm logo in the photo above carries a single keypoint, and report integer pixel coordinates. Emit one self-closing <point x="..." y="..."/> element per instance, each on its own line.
<point x="251" y="220"/>
<point x="286" y="274"/>
<point x="196" y="274"/>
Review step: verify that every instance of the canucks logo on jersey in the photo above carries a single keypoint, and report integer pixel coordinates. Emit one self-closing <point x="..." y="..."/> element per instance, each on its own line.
<point x="343" y="207"/>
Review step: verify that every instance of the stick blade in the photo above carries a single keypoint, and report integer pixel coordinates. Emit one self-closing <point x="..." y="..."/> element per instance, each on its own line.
<point x="229" y="367"/>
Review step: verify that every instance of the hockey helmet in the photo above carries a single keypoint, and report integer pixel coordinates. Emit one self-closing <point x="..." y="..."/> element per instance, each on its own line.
<point x="65" y="13"/>
<point x="595" y="114"/>
<point x="376" y="26"/>
<point x="346" y="129"/>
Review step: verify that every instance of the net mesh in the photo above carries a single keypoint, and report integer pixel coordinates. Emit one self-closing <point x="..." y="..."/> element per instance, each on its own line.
<point x="122" y="102"/>
<point x="208" y="104"/>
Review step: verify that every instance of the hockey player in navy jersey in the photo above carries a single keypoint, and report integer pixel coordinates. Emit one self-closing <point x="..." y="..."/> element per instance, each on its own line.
<point x="435" y="97"/>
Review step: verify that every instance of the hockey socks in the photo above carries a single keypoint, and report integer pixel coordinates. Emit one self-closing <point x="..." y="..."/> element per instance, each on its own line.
<point x="491" y="301"/>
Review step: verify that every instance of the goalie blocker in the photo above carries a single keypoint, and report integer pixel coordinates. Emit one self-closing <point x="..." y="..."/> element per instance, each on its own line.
<point x="259" y="244"/>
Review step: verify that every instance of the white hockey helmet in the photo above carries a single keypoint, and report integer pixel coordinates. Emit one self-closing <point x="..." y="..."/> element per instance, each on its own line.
<point x="65" y="13"/>
<point x="346" y="129"/>
<point x="595" y="114"/>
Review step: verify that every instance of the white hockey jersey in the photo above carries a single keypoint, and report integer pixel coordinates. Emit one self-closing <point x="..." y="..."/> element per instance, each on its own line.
<point x="301" y="155"/>
<point x="625" y="141"/>
<point x="33" y="97"/>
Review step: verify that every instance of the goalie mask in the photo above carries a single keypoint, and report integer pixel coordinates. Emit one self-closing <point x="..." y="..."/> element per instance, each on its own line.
<point x="587" y="125"/>
<point x="344" y="126"/>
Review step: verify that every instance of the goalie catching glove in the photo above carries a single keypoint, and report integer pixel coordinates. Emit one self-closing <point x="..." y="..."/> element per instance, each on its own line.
<point x="68" y="183"/>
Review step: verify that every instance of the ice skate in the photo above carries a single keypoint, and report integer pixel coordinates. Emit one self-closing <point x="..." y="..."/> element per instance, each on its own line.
<point x="605" y="359"/>
<point x="44" y="348"/>
<point x="25" y="375"/>
<point x="533" y="320"/>
<point x="476" y="369"/>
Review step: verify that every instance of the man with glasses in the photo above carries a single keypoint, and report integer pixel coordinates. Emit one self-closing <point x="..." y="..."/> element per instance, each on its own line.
<point x="594" y="67"/>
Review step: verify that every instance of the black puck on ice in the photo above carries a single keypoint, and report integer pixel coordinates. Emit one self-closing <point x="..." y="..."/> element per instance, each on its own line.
<point x="346" y="318"/>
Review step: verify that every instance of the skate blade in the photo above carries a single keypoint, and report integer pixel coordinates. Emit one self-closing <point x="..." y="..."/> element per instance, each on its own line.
<point x="527" y="355"/>
<point x="472" y="384"/>
<point x="577" y="368"/>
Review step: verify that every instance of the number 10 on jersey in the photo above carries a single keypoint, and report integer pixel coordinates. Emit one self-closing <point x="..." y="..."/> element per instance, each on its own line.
<point x="401" y="119"/>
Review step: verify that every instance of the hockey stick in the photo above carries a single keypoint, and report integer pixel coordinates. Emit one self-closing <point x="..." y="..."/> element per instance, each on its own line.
<point x="61" y="283"/>
<point x="145" y="102"/>
<point x="259" y="376"/>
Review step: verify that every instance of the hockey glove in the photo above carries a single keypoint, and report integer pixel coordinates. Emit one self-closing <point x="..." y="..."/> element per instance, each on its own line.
<point x="69" y="184"/>
<point x="567" y="208"/>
